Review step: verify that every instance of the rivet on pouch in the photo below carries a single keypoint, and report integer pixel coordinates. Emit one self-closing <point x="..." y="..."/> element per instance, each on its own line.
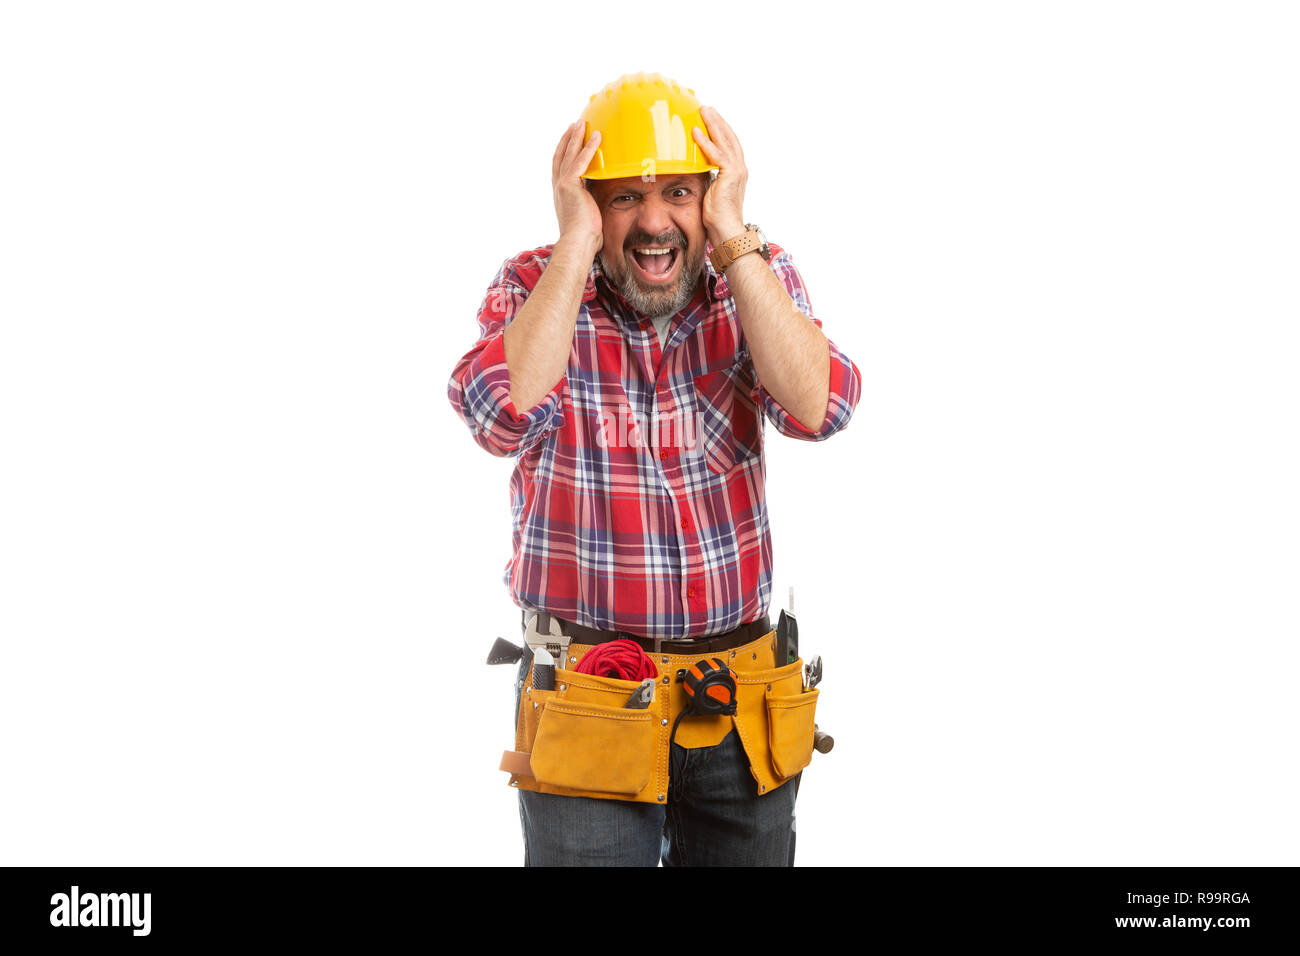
<point x="769" y="686"/>
<point x="665" y="680"/>
<point x="573" y="660"/>
<point x="661" y="796"/>
<point x="534" y="705"/>
<point x="665" y="660"/>
<point x="564" y="687"/>
<point x="664" y="722"/>
<point x="762" y="788"/>
<point x="754" y="656"/>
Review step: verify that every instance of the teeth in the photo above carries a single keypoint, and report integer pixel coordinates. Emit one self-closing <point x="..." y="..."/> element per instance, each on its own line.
<point x="653" y="252"/>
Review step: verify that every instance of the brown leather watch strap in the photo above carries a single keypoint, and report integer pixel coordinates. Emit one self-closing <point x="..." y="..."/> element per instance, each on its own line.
<point x="734" y="248"/>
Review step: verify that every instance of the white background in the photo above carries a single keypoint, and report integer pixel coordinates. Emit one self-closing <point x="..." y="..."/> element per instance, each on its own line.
<point x="250" y="559"/>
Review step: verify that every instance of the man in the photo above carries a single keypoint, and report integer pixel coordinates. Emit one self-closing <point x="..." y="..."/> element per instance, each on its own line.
<point x="626" y="366"/>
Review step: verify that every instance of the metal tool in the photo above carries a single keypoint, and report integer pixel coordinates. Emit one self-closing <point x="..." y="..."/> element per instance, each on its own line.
<point x="642" y="696"/>
<point x="787" y="635"/>
<point x="505" y="652"/>
<point x="543" y="669"/>
<point x="812" y="673"/>
<point x="554" y="641"/>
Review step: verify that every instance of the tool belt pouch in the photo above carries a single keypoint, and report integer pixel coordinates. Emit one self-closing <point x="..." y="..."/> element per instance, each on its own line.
<point x="592" y="747"/>
<point x="581" y="741"/>
<point x="775" y="722"/>
<point x="790" y="731"/>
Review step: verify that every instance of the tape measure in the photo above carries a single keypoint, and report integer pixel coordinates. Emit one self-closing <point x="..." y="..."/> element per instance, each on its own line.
<point x="710" y="687"/>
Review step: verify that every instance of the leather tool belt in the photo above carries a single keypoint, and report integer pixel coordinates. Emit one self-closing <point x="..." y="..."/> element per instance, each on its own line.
<point x="581" y="739"/>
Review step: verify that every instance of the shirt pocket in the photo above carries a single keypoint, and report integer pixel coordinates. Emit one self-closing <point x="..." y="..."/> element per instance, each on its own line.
<point x="727" y="423"/>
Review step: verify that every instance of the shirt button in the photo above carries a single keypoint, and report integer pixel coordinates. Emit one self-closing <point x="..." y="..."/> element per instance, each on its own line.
<point x="690" y="592"/>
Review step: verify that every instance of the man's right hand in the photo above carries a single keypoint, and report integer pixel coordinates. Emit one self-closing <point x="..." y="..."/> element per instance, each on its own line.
<point x="538" y="341"/>
<point x="575" y="208"/>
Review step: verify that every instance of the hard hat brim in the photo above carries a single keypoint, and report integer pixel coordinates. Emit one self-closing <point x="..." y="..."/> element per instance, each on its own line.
<point x="637" y="170"/>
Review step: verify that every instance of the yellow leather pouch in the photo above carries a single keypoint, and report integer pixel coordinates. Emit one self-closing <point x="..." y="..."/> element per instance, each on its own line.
<point x="593" y="747"/>
<point x="759" y="725"/>
<point x="790" y="731"/>
<point x="582" y="740"/>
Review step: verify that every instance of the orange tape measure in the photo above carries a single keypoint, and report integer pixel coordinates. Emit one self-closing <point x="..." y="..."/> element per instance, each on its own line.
<point x="710" y="687"/>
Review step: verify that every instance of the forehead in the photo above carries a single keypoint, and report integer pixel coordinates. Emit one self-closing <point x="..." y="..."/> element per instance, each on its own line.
<point x="635" y="185"/>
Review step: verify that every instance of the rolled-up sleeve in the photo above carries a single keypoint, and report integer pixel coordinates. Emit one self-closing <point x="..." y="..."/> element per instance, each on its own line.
<point x="845" y="380"/>
<point x="479" y="389"/>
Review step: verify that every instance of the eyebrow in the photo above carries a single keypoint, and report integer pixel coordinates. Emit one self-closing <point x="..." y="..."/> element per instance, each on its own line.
<point x="662" y="183"/>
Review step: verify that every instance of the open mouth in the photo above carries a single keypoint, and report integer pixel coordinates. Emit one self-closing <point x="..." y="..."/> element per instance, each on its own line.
<point x="656" y="263"/>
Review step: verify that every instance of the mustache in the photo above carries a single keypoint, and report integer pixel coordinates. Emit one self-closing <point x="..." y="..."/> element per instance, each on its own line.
<point x="678" y="241"/>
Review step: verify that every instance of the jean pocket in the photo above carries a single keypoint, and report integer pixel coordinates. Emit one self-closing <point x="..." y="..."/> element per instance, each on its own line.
<point x="727" y="424"/>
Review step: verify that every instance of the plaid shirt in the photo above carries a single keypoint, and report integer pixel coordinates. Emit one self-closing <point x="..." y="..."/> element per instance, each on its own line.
<point x="638" y="499"/>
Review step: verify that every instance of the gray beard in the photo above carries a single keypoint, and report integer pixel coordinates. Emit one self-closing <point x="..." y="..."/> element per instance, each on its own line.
<point x="655" y="302"/>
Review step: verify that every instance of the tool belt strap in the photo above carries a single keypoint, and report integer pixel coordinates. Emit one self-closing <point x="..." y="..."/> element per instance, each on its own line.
<point x="698" y="645"/>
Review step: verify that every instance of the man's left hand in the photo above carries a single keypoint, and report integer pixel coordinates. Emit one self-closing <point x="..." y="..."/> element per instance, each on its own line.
<point x="723" y="218"/>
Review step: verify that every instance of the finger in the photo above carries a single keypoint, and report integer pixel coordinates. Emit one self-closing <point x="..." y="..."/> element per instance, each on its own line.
<point x="720" y="126"/>
<point x="583" y="159"/>
<point x="558" y="158"/>
<point x="711" y="150"/>
<point x="574" y="147"/>
<point x="576" y="161"/>
<point x="723" y="130"/>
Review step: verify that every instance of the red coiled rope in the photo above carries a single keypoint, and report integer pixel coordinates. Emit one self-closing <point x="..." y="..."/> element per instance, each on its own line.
<point x="623" y="660"/>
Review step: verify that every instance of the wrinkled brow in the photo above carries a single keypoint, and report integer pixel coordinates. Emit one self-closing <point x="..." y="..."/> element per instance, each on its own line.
<point x="670" y="183"/>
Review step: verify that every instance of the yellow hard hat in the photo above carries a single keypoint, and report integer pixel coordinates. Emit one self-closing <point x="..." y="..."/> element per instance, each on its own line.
<point x="645" y="125"/>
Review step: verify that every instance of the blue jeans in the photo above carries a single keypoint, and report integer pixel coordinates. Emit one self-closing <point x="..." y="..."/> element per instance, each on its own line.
<point x="713" y="817"/>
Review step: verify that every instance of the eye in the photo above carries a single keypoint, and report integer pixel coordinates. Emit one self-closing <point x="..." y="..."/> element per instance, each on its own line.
<point x="622" y="201"/>
<point x="679" y="192"/>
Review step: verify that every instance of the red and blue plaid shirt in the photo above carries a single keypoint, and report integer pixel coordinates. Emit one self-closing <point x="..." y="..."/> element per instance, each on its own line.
<point x="638" y="499"/>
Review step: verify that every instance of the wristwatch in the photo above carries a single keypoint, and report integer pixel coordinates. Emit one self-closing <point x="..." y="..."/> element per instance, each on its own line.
<point x="752" y="240"/>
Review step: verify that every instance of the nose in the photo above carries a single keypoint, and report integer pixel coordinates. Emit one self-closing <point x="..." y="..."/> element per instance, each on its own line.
<point x="654" y="218"/>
